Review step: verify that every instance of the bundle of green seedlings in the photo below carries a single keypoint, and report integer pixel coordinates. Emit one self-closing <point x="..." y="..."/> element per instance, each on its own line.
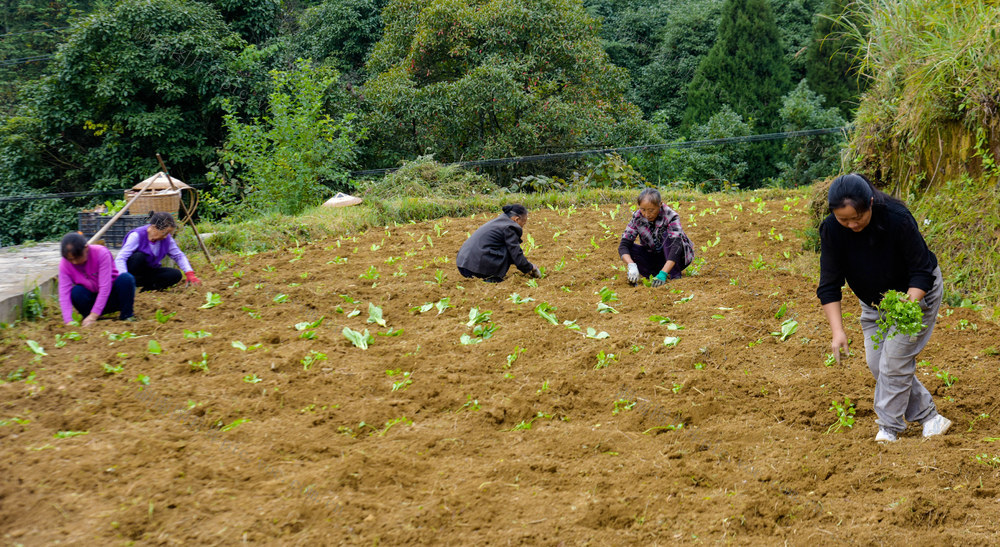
<point x="897" y="310"/>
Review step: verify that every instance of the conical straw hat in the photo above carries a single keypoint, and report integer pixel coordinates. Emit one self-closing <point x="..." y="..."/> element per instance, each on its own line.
<point x="160" y="182"/>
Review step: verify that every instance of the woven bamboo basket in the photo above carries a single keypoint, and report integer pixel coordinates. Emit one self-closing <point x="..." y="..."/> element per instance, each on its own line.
<point x="166" y="201"/>
<point x="159" y="197"/>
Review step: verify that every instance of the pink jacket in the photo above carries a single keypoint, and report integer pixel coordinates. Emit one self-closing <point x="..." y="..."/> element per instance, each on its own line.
<point x="96" y="275"/>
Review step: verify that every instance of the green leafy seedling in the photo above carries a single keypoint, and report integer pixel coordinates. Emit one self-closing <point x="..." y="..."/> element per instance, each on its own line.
<point x="403" y="382"/>
<point x="594" y="335"/>
<point x="547" y="311"/>
<point x="517" y="299"/>
<point x="162" y="317"/>
<point x="35" y="348"/>
<point x="62" y="338"/>
<point x="604" y="308"/>
<point x="788" y="328"/>
<point x="375" y="315"/>
<point x="371" y="274"/>
<point x="211" y="300"/>
<point x="844" y="413"/>
<point x="945" y="376"/>
<point x="476" y="317"/>
<point x="312" y="358"/>
<point x="622" y="405"/>
<point x="471" y="405"/>
<point x="607" y="295"/>
<point x="305" y="325"/>
<point x="68" y="434"/>
<point x="443" y="305"/>
<point x="234" y="424"/>
<point x="115" y="337"/>
<point x="360" y="340"/>
<point x="200" y="365"/>
<point x="252" y="379"/>
<point x="604" y="359"/>
<point x="512" y="358"/>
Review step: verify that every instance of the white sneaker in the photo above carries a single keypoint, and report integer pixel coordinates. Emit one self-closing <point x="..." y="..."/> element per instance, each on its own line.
<point x="936" y="426"/>
<point x="885" y="436"/>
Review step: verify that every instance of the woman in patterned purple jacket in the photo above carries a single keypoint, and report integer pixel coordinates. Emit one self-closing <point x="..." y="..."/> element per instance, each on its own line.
<point x="663" y="249"/>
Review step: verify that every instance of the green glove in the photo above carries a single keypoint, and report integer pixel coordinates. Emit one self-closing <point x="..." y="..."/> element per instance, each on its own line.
<point x="660" y="279"/>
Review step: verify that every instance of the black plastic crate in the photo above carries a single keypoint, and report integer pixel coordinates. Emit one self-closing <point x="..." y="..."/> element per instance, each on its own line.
<point x="90" y="223"/>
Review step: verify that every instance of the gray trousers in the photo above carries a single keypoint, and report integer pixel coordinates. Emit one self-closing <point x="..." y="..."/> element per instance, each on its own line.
<point x="899" y="395"/>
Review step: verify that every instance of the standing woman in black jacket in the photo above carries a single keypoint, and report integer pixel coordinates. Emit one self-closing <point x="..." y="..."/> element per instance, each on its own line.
<point x="489" y="252"/>
<point x="871" y="240"/>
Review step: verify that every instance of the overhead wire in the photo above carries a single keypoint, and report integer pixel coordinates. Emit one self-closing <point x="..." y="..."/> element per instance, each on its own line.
<point x="626" y="149"/>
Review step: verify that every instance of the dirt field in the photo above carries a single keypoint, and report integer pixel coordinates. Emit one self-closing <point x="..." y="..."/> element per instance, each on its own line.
<point x="518" y="439"/>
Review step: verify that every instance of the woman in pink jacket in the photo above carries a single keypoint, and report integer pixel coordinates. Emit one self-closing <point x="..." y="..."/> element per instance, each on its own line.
<point x="89" y="282"/>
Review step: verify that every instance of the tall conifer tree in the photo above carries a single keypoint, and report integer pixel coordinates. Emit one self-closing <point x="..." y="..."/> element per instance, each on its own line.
<point x="745" y="69"/>
<point x="830" y="59"/>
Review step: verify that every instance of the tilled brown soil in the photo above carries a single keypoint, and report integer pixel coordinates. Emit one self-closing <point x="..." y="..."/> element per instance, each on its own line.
<point x="520" y="438"/>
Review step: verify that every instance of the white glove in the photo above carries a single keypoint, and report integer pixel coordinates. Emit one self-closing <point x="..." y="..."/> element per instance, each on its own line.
<point x="633" y="273"/>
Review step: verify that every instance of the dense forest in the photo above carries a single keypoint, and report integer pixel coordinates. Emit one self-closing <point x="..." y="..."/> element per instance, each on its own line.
<point x="272" y="104"/>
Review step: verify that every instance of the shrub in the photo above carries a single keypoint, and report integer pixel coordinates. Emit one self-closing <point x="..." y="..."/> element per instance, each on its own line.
<point x="284" y="158"/>
<point x="426" y="178"/>
<point x="815" y="157"/>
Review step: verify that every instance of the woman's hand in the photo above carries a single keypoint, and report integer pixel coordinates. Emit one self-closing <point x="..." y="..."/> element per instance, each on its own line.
<point x="89" y="320"/>
<point x="832" y="311"/>
<point x="660" y="279"/>
<point x="838" y="344"/>
<point x="633" y="273"/>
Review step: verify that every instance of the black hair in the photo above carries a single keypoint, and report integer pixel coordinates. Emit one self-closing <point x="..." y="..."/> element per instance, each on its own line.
<point x="161" y="221"/>
<point x="72" y="245"/>
<point x="515" y="210"/>
<point x="652" y="195"/>
<point x="856" y="191"/>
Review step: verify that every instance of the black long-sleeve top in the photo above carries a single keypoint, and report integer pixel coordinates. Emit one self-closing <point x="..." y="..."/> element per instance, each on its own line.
<point x="890" y="253"/>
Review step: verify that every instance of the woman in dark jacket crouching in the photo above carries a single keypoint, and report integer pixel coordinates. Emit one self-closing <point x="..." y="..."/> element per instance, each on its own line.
<point x="489" y="252"/>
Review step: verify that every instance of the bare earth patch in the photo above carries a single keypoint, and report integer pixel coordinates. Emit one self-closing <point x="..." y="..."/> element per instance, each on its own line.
<point x="519" y="438"/>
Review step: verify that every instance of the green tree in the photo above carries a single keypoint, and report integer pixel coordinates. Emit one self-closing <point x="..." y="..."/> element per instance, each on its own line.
<point x="831" y="60"/>
<point x="32" y="29"/>
<point x="745" y="69"/>
<point x="661" y="85"/>
<point x="140" y="78"/>
<point x="339" y="33"/>
<point x="796" y="20"/>
<point x="815" y="157"/>
<point x="255" y="20"/>
<point x="493" y="78"/>
<point x="630" y="29"/>
<point x="285" y="158"/>
<point x="717" y="167"/>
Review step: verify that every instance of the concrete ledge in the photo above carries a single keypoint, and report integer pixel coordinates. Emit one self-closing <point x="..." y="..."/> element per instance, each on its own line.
<point x="24" y="268"/>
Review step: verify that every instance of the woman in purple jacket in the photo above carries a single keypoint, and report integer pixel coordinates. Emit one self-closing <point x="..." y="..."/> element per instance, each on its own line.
<point x="145" y="247"/>
<point x="89" y="282"/>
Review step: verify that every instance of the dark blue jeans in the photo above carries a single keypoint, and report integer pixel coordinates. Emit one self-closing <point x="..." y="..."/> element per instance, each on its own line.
<point x="121" y="298"/>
